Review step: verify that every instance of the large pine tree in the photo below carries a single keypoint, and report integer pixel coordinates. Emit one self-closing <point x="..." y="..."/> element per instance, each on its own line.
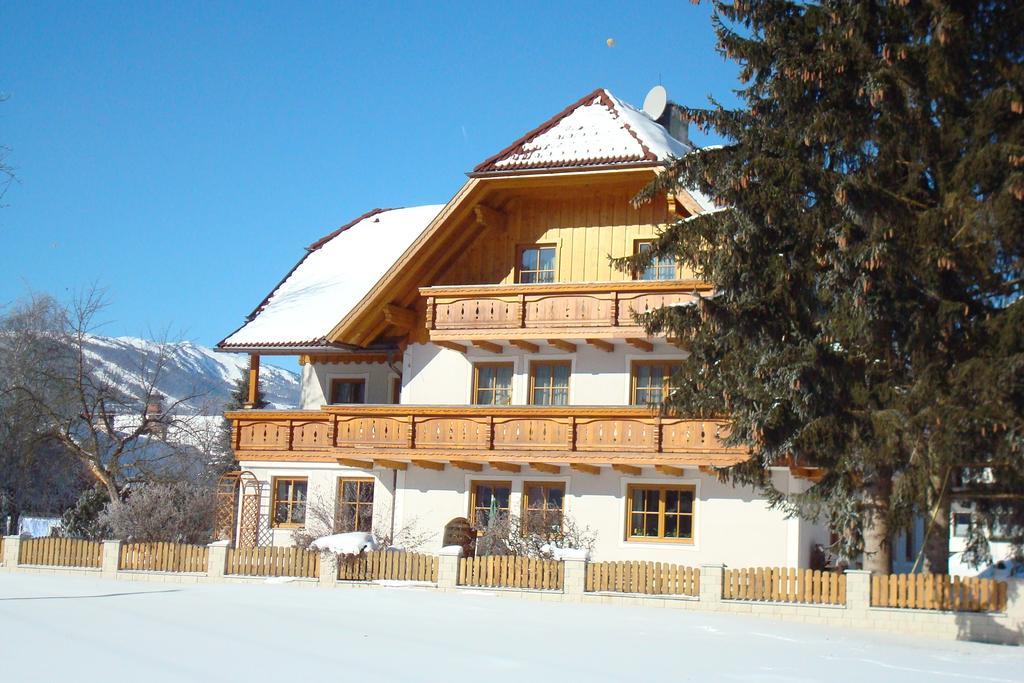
<point x="868" y="268"/>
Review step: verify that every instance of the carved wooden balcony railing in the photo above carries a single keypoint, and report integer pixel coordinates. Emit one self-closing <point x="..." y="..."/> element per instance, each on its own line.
<point x="568" y="434"/>
<point x="598" y="310"/>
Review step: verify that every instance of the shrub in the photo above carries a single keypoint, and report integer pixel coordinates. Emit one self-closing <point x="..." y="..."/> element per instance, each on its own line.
<point x="506" y="535"/>
<point x="178" y="513"/>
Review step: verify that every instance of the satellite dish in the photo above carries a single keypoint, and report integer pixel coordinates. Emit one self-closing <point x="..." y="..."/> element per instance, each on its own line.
<point x="655" y="102"/>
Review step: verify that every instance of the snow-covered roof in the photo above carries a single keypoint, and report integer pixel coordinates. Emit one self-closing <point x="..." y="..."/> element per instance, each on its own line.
<point x="335" y="274"/>
<point x="598" y="130"/>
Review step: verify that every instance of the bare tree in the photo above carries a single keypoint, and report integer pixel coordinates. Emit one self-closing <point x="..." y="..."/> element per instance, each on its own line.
<point x="6" y="171"/>
<point x="120" y="436"/>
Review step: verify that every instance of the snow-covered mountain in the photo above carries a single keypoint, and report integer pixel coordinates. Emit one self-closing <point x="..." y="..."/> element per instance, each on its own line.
<point x="189" y="370"/>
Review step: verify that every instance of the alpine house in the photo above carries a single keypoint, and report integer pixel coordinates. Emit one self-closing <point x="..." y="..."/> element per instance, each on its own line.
<point x="482" y="356"/>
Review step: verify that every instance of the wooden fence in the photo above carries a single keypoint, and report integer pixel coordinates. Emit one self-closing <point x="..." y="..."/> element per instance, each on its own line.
<point x="650" y="578"/>
<point x="273" y="561"/>
<point x="387" y="565"/>
<point x="163" y="557"/>
<point x="938" y="591"/>
<point x="61" y="552"/>
<point x="504" y="571"/>
<point x="782" y="584"/>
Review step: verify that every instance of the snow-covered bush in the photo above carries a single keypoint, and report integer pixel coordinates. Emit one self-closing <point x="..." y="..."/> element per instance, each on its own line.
<point x="322" y="521"/>
<point x="179" y="513"/>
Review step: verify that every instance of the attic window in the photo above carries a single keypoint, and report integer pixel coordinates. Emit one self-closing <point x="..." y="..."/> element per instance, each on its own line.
<point x="537" y="264"/>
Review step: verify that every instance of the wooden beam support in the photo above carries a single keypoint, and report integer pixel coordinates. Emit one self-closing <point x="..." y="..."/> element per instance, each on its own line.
<point x="568" y="347"/>
<point x="811" y="473"/>
<point x="546" y="468"/>
<point x="627" y="469"/>
<point x="391" y="464"/>
<point x="467" y="465"/>
<point x="361" y="464"/>
<point x="429" y="465"/>
<point x="524" y="345"/>
<point x="601" y="344"/>
<point x="254" y="380"/>
<point x="490" y="217"/>
<point x="641" y="344"/>
<point x="488" y="346"/>
<point x="582" y="467"/>
<point x="708" y="469"/>
<point x="669" y="470"/>
<point x="461" y="348"/>
<point x="402" y="318"/>
<point x="678" y="343"/>
<point x="505" y="466"/>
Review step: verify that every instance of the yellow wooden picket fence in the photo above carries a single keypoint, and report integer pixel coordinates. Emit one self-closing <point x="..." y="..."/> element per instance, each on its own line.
<point x="938" y="591"/>
<point x="784" y="584"/>
<point x="649" y="578"/>
<point x="387" y="565"/>
<point x="273" y="561"/>
<point x="61" y="552"/>
<point x="504" y="571"/>
<point x="163" y="557"/>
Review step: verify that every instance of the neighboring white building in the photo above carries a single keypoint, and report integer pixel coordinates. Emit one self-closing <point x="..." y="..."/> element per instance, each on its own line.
<point x="483" y="355"/>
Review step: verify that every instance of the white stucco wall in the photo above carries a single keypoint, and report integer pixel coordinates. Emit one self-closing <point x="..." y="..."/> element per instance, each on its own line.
<point x="316" y="380"/>
<point x="731" y="525"/>
<point x="322" y="489"/>
<point x="433" y="375"/>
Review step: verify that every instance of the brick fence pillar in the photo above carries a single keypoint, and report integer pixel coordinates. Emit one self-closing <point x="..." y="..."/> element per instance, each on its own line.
<point x="448" y="567"/>
<point x="574" y="581"/>
<point x="711" y="580"/>
<point x="328" y="570"/>
<point x="217" y="559"/>
<point x="12" y="551"/>
<point x="111" y="558"/>
<point x="858" y="589"/>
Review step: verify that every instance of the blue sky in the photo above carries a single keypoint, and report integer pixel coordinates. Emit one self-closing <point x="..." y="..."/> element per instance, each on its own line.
<point x="181" y="155"/>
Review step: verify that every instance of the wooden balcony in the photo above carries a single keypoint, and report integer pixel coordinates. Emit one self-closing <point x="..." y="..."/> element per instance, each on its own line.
<point x="603" y="310"/>
<point x="471" y="436"/>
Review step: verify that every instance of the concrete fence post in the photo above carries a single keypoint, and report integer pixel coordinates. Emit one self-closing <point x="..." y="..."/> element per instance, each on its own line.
<point x="858" y="589"/>
<point x="111" y="558"/>
<point x="1015" y="603"/>
<point x="711" y="581"/>
<point x="12" y="551"/>
<point x="328" y="570"/>
<point x="574" y="581"/>
<point x="448" y="567"/>
<point x="217" y="559"/>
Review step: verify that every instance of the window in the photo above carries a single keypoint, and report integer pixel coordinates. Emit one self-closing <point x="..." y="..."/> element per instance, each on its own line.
<point x="347" y="390"/>
<point x="659" y="513"/>
<point x="355" y="505"/>
<point x="549" y="383"/>
<point x="492" y="384"/>
<point x="289" y="504"/>
<point x="396" y="390"/>
<point x="908" y="545"/>
<point x="486" y="499"/>
<point x="542" y="507"/>
<point x="661" y="268"/>
<point x="961" y="524"/>
<point x="652" y="381"/>
<point x="537" y="264"/>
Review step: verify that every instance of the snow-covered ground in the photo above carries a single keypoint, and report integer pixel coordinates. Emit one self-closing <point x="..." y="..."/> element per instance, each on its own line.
<point x="83" y="629"/>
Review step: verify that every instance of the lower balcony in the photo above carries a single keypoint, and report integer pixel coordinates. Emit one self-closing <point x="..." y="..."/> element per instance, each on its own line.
<point x="469" y="437"/>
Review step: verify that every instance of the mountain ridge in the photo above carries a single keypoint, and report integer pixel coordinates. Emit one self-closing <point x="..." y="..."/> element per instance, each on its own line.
<point x="199" y="377"/>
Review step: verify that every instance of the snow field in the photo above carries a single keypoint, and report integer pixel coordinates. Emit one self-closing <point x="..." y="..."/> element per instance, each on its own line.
<point x="85" y="629"/>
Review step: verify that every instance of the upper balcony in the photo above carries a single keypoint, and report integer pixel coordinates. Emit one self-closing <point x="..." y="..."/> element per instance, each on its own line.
<point x="469" y="437"/>
<point x="601" y="311"/>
